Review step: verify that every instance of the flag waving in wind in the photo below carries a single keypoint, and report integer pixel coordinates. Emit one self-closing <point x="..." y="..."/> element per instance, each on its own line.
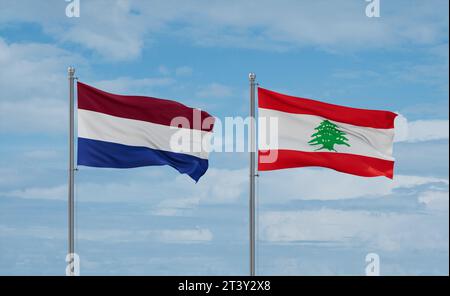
<point x="313" y="133"/>
<point x="116" y="131"/>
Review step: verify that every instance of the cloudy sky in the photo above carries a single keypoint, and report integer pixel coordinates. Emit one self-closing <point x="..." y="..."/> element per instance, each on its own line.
<point x="153" y="221"/>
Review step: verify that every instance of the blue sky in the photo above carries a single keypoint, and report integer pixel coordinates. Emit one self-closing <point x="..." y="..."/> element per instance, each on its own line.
<point x="153" y="221"/>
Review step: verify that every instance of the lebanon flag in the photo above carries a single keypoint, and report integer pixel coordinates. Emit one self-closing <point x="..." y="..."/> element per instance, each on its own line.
<point x="313" y="133"/>
<point x="116" y="131"/>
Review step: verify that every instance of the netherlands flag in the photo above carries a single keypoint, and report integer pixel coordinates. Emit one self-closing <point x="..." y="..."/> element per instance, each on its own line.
<point x="313" y="133"/>
<point x="116" y="131"/>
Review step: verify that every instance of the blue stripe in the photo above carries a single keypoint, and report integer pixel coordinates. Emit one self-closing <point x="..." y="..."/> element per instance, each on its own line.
<point x="95" y="153"/>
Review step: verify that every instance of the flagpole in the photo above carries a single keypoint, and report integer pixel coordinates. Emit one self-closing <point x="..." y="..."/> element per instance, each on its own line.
<point x="252" y="78"/>
<point x="71" y="202"/>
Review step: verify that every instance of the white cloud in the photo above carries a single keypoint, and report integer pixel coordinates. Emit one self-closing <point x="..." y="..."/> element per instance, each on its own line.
<point x="179" y="196"/>
<point x="215" y="90"/>
<point x="324" y="184"/>
<point x="217" y="186"/>
<point x="401" y="128"/>
<point x="287" y="24"/>
<point x="175" y="206"/>
<point x="110" y="28"/>
<point x="221" y="186"/>
<point x="435" y="200"/>
<point x="34" y="115"/>
<point x="420" y="130"/>
<point x="123" y="28"/>
<point x="180" y="236"/>
<point x="33" y="90"/>
<point x="34" y="70"/>
<point x="196" y="235"/>
<point x="379" y="231"/>
<point x="427" y="130"/>
<point x="170" y="196"/>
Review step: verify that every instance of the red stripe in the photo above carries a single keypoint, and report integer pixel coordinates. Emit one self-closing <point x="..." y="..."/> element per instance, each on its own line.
<point x="347" y="163"/>
<point x="149" y="109"/>
<point x="362" y="117"/>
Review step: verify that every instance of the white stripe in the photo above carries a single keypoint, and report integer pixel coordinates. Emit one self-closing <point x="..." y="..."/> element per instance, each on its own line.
<point x="295" y="130"/>
<point x="104" y="127"/>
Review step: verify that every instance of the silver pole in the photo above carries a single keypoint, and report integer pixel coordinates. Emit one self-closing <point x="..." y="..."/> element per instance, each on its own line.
<point x="252" y="77"/>
<point x="71" y="73"/>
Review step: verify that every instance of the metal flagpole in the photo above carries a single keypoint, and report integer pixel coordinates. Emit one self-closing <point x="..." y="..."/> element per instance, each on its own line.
<point x="252" y="78"/>
<point x="71" y="73"/>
